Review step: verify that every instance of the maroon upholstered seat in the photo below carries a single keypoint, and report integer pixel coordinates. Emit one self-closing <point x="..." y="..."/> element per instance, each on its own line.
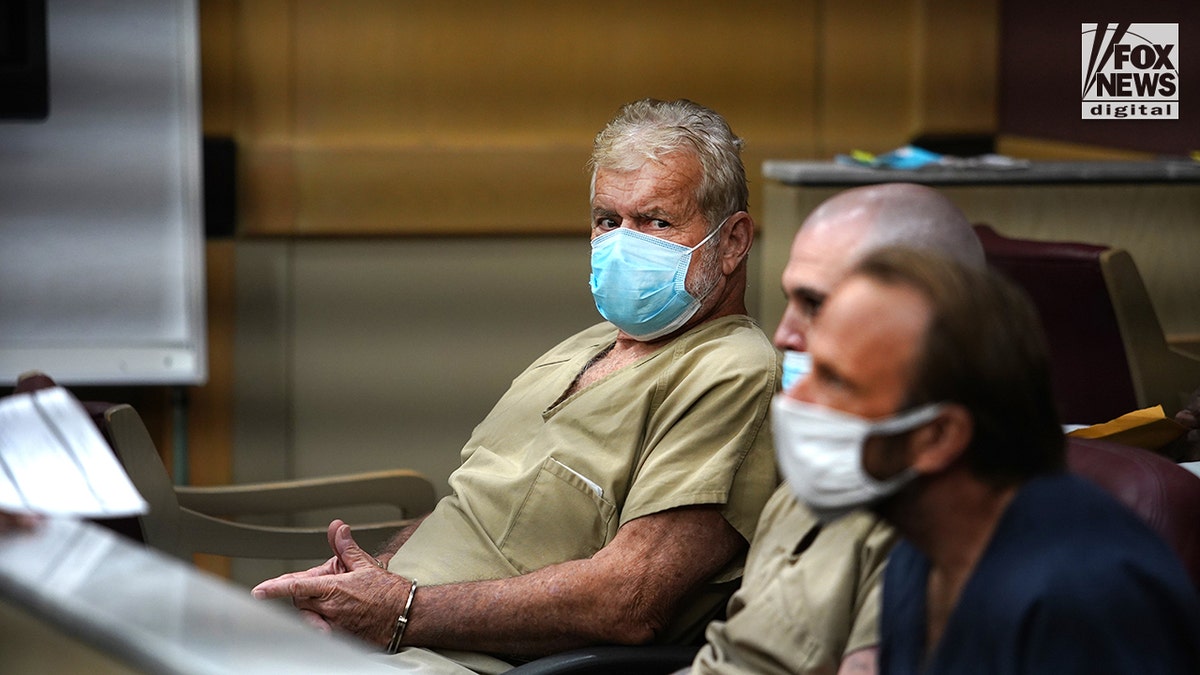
<point x="1089" y="368"/>
<point x="1109" y="353"/>
<point x="1165" y="495"/>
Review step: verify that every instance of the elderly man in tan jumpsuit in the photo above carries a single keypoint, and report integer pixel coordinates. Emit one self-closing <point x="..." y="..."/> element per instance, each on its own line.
<point x="610" y="495"/>
<point x="809" y="601"/>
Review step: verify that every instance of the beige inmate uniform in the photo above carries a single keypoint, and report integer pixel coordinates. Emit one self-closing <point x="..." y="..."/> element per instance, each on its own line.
<point x="809" y="595"/>
<point x="545" y="480"/>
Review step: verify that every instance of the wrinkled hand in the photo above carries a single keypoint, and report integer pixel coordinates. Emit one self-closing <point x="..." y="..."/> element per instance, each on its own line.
<point x="1189" y="415"/>
<point x="1187" y="449"/>
<point x="331" y="566"/>
<point x="350" y="592"/>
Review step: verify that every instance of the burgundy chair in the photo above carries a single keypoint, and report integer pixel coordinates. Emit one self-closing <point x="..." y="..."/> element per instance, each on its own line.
<point x="1089" y="369"/>
<point x="1108" y="353"/>
<point x="1165" y="495"/>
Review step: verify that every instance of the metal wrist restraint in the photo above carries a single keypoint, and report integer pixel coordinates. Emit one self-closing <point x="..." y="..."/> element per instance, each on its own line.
<point x="402" y="621"/>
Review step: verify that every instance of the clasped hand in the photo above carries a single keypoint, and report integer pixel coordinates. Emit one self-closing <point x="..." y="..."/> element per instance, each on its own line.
<point x="351" y="591"/>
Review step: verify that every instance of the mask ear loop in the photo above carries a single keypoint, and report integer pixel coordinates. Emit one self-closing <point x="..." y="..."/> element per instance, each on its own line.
<point x="907" y="421"/>
<point x="710" y="234"/>
<point x="717" y="277"/>
<point x="904" y="423"/>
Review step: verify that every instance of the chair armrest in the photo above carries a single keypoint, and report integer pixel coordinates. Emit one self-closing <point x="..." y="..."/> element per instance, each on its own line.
<point x="1162" y="375"/>
<point x="409" y="491"/>
<point x="207" y="534"/>
<point x="603" y="660"/>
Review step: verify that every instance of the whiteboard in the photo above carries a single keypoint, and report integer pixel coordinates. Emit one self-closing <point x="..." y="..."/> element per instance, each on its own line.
<point x="101" y="234"/>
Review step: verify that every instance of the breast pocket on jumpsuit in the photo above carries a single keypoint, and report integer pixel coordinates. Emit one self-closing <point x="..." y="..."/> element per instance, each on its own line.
<point x="562" y="516"/>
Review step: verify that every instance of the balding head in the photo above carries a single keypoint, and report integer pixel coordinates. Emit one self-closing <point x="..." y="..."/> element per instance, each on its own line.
<point x="845" y="228"/>
<point x="896" y="214"/>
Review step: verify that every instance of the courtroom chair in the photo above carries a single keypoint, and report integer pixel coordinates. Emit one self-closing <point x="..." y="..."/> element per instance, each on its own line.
<point x="605" y="660"/>
<point x="1162" y="493"/>
<point x="1161" y="374"/>
<point x="186" y="520"/>
<point x="1108" y="353"/>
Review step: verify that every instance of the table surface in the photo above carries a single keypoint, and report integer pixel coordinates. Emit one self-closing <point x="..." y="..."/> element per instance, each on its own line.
<point x="813" y="173"/>
<point x="158" y="614"/>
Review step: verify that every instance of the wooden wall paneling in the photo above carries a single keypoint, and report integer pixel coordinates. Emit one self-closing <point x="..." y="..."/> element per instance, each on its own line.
<point x="957" y="66"/>
<point x="394" y="103"/>
<point x="264" y="47"/>
<point x="269" y="199"/>
<point x="867" y="97"/>
<point x="210" y="407"/>
<point x="777" y="116"/>
<point x="263" y="115"/>
<point x="380" y="190"/>
<point x="529" y="72"/>
<point x="339" y="107"/>
<point x="218" y="64"/>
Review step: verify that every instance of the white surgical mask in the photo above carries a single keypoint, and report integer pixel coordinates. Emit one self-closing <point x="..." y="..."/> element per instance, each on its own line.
<point x="795" y="366"/>
<point x="820" y="454"/>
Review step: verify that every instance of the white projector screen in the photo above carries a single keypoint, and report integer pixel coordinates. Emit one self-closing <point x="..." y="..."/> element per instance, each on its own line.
<point x="101" y="235"/>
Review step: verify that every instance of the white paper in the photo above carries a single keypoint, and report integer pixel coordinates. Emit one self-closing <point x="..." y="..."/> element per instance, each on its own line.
<point x="588" y="481"/>
<point x="54" y="461"/>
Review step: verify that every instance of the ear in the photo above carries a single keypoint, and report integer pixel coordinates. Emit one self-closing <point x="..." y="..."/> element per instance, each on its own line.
<point x="937" y="445"/>
<point x="736" y="238"/>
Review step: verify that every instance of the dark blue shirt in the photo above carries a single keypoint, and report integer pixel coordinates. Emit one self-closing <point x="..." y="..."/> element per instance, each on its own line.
<point x="1071" y="582"/>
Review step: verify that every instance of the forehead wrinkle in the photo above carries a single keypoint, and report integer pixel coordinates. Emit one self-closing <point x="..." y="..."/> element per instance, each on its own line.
<point x="654" y="189"/>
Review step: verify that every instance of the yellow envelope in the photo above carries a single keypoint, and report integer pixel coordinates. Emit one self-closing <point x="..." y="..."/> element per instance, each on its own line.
<point x="1148" y="428"/>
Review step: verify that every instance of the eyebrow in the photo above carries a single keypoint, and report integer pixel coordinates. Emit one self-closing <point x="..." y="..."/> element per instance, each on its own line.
<point x="806" y="293"/>
<point x="641" y="216"/>
<point x="657" y="214"/>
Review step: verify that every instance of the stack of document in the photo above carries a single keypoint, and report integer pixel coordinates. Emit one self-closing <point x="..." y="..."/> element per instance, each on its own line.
<point x="54" y="461"/>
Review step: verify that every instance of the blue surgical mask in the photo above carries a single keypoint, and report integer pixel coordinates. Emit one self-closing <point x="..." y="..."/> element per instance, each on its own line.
<point x="638" y="282"/>
<point x="795" y="366"/>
